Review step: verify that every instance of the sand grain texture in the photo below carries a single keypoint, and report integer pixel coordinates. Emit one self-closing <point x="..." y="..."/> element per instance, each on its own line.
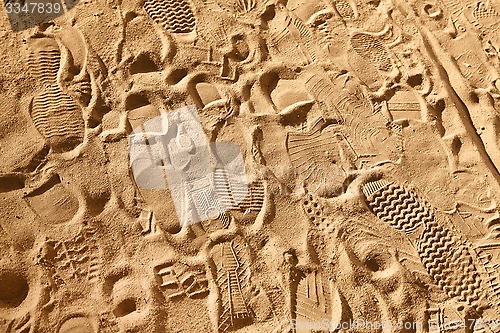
<point x="277" y="166"/>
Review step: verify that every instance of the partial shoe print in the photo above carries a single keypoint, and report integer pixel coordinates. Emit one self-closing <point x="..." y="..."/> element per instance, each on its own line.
<point x="77" y="259"/>
<point x="288" y="32"/>
<point x="373" y="60"/>
<point x="237" y="195"/>
<point x="484" y="16"/>
<point x="175" y="16"/>
<point x="316" y="155"/>
<point x="313" y="299"/>
<point x="325" y="155"/>
<point x="363" y="276"/>
<point x="240" y="300"/>
<point x="77" y="323"/>
<point x="404" y="105"/>
<point x="242" y="8"/>
<point x="372" y="49"/>
<point x="178" y="280"/>
<point x="346" y="9"/>
<point x="53" y="202"/>
<point x="45" y="61"/>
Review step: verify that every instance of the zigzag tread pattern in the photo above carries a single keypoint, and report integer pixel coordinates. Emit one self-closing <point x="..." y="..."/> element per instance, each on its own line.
<point x="175" y="16"/>
<point x="395" y="205"/>
<point x="449" y="262"/>
<point x="446" y="258"/>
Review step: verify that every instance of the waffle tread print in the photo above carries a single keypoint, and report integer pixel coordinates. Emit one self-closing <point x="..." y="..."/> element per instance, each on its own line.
<point x="175" y="16"/>
<point x="481" y="11"/>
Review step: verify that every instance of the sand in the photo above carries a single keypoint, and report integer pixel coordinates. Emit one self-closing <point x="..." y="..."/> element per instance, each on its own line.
<point x="249" y="166"/>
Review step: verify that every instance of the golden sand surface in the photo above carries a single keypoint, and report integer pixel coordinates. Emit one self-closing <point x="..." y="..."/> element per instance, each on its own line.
<point x="249" y="166"/>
